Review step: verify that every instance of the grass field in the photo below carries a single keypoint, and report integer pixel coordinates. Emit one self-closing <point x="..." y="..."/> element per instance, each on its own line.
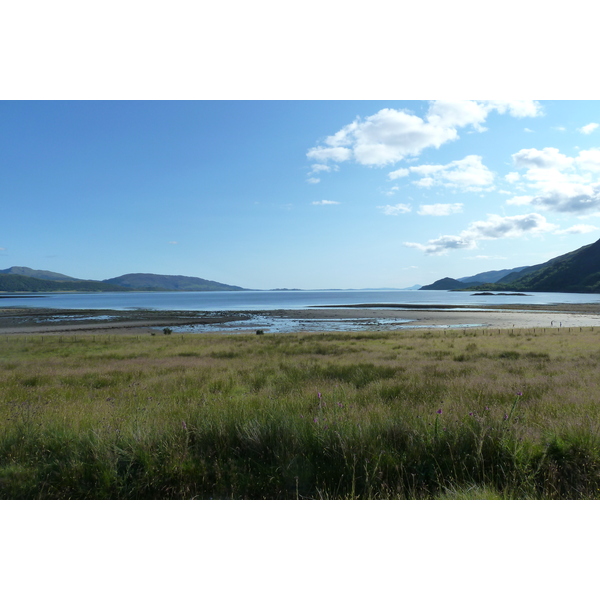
<point x="473" y="414"/>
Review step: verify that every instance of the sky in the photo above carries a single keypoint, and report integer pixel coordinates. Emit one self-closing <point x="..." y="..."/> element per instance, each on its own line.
<point x="297" y="194"/>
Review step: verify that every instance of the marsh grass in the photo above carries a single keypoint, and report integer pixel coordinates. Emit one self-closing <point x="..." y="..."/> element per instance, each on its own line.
<point x="385" y="415"/>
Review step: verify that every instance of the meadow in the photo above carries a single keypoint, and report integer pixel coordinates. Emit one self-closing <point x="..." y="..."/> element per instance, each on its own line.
<point x="413" y="414"/>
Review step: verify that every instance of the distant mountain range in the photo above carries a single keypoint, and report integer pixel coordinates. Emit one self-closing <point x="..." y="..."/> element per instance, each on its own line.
<point x="24" y="279"/>
<point x="576" y="272"/>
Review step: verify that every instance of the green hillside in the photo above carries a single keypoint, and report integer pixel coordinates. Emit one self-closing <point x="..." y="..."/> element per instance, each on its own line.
<point x="37" y="274"/>
<point x="447" y="284"/>
<point x="180" y="283"/>
<point x="575" y="272"/>
<point x="21" y="283"/>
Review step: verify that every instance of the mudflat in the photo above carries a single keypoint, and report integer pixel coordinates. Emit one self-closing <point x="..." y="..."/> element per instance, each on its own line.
<point x="54" y="321"/>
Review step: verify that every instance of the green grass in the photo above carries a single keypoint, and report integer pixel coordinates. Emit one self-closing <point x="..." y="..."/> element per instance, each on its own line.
<point x="335" y="415"/>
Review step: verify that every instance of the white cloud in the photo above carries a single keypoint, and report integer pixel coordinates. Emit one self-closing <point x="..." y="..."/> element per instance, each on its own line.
<point x="589" y="160"/>
<point x="587" y="129"/>
<point x="512" y="177"/>
<point x="576" y="229"/>
<point x="439" y="210"/>
<point x="494" y="228"/>
<point x="324" y="154"/>
<point x="468" y="174"/>
<point x="392" y="135"/>
<point x="554" y="181"/>
<point x="543" y="159"/>
<point x="175" y="243"/>
<point x="527" y="130"/>
<point x="570" y="198"/>
<point x="395" y="210"/>
<point x="399" y="173"/>
<point x="313" y="180"/>
<point x="518" y="108"/>
<point x="325" y="202"/>
<point x="318" y="168"/>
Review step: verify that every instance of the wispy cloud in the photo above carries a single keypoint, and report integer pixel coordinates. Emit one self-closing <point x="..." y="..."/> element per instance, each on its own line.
<point x="468" y="174"/>
<point x="325" y="202"/>
<point x="494" y="228"/>
<point x="587" y="129"/>
<point x="395" y="210"/>
<point x="313" y="180"/>
<point x="174" y="243"/>
<point x="485" y="257"/>
<point x="439" y="210"/>
<point x="577" y="229"/>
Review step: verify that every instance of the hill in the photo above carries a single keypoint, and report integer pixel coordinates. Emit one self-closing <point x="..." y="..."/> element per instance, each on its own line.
<point x="447" y="284"/>
<point x="181" y="283"/>
<point x="46" y="275"/>
<point x="22" y="283"/>
<point x="576" y="272"/>
<point x="492" y="276"/>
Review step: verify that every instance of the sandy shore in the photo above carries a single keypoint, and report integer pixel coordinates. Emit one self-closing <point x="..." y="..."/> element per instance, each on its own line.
<point x="363" y="317"/>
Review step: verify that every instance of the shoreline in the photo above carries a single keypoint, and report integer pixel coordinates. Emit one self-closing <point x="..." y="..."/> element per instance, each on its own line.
<point x="362" y="317"/>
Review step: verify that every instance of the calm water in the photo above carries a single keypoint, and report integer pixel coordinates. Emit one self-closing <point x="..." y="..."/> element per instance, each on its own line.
<point x="257" y="300"/>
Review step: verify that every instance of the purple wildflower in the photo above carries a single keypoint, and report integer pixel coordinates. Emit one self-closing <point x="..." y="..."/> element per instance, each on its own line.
<point x="319" y="395"/>
<point x="439" y="411"/>
<point x="519" y="393"/>
<point x="505" y="417"/>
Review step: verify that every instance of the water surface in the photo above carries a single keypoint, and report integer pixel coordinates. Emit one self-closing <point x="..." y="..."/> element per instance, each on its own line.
<point x="275" y="300"/>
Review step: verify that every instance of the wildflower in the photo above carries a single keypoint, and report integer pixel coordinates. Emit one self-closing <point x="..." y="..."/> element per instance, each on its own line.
<point x="319" y="395"/>
<point x="439" y="411"/>
<point x="487" y="408"/>
<point x="183" y="424"/>
<point x="519" y="393"/>
<point x="470" y="414"/>
<point x="340" y="405"/>
<point x="315" y="420"/>
<point x="505" y="417"/>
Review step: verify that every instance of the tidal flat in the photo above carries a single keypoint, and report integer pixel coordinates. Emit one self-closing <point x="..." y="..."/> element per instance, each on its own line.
<point x="406" y="414"/>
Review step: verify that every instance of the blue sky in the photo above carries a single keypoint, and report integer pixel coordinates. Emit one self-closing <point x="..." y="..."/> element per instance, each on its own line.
<point x="308" y="194"/>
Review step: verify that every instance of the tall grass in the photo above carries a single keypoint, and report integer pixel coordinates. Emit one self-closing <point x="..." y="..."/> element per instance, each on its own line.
<point x="386" y="415"/>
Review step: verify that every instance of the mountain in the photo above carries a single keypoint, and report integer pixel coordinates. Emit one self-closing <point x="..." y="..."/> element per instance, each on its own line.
<point x="46" y="275"/>
<point x="22" y="283"/>
<point x="577" y="272"/>
<point x="181" y="283"/>
<point x="447" y="284"/>
<point x="492" y="276"/>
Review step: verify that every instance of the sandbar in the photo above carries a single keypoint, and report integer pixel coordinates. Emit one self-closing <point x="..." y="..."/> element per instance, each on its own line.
<point x="26" y="321"/>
